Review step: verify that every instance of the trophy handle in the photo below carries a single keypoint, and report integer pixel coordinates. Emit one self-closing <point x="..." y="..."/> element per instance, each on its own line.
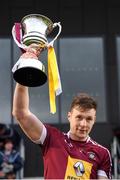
<point x="21" y="45"/>
<point x="60" y="28"/>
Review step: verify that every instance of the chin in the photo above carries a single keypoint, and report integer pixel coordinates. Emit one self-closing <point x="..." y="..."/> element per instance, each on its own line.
<point x="82" y="136"/>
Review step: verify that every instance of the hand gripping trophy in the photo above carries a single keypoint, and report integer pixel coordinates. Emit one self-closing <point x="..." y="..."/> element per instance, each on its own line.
<point x="30" y="35"/>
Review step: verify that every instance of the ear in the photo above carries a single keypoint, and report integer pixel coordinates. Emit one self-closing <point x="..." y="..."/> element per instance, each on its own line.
<point x="69" y="115"/>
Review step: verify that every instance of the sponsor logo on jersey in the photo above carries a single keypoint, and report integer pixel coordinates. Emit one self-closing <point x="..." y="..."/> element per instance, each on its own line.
<point x="78" y="169"/>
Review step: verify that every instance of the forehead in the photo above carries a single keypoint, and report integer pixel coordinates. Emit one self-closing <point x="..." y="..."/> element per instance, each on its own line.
<point x="87" y="112"/>
<point x="8" y="142"/>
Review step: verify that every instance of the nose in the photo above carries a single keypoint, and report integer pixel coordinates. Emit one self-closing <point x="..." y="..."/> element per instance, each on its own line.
<point x="83" y="123"/>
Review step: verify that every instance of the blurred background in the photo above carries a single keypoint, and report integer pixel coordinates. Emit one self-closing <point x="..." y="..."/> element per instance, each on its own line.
<point x="88" y="55"/>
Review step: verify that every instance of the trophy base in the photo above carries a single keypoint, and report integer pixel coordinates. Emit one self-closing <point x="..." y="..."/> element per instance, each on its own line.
<point x="30" y="72"/>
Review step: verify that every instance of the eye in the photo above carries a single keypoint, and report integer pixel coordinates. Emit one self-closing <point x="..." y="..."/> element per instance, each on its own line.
<point x="89" y="118"/>
<point x="79" y="117"/>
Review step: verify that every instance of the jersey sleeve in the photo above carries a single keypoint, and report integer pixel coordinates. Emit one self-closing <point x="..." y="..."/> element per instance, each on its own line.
<point x="105" y="166"/>
<point x="51" y="134"/>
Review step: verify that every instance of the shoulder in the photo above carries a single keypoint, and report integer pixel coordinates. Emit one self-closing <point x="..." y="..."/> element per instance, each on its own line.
<point x="52" y="130"/>
<point x="102" y="150"/>
<point x="53" y="134"/>
<point x="1" y="153"/>
<point x="54" y="137"/>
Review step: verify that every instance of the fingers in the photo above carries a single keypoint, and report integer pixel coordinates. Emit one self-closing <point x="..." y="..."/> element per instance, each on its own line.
<point x="34" y="48"/>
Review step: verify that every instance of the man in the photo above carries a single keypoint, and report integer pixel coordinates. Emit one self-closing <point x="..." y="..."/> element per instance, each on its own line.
<point x="66" y="156"/>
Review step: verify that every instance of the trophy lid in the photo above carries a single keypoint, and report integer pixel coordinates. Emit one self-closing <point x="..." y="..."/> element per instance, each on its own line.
<point x="43" y="18"/>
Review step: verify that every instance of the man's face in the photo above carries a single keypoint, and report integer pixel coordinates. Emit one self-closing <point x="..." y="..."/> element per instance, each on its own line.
<point x="81" y="123"/>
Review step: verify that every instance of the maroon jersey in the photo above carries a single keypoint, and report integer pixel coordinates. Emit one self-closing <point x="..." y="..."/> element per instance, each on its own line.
<point x="65" y="158"/>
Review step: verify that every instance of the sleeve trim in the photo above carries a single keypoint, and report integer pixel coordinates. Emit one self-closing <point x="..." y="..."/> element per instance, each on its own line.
<point x="102" y="173"/>
<point x="43" y="136"/>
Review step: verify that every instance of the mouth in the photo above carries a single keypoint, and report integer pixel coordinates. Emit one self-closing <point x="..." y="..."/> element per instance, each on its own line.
<point x="82" y="131"/>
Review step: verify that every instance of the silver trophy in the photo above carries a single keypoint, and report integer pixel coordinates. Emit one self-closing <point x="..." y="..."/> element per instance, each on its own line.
<point x="35" y="28"/>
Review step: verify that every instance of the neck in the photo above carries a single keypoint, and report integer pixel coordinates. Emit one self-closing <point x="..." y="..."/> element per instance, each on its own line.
<point x="76" y="138"/>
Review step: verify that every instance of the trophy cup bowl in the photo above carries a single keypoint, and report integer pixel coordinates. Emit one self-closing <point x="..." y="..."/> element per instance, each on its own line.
<point x="36" y="27"/>
<point x="30" y="71"/>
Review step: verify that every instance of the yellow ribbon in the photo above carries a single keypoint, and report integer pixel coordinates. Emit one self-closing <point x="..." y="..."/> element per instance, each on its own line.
<point x="54" y="79"/>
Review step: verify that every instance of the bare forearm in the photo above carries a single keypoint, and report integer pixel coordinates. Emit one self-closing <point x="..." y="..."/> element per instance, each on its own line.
<point x="21" y="99"/>
<point x="30" y="124"/>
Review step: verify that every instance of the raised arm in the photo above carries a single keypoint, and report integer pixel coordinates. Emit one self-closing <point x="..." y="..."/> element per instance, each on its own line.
<point x="30" y="124"/>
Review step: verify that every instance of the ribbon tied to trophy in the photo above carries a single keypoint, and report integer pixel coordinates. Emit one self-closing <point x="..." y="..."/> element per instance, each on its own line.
<point x="30" y="35"/>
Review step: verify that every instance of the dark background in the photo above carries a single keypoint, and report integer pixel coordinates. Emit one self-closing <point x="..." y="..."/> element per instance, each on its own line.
<point x="79" y="18"/>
